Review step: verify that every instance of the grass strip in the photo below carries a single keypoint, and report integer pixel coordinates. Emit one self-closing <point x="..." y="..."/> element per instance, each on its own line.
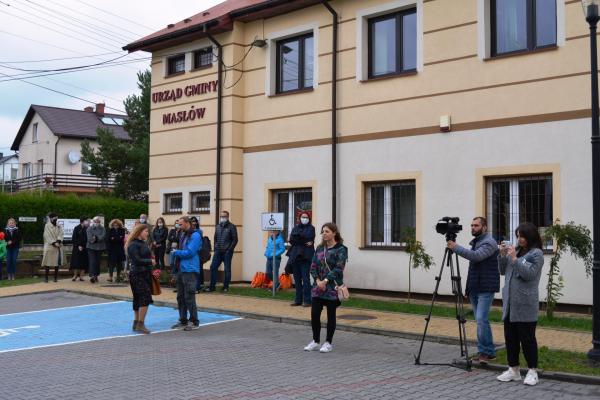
<point x="557" y="361"/>
<point x="578" y="324"/>
<point x="19" y="281"/>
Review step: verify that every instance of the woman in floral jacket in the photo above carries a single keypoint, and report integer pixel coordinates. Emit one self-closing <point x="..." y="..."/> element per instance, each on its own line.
<point x="327" y="270"/>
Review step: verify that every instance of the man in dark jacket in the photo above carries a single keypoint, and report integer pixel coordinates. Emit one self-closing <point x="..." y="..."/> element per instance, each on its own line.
<point x="226" y="239"/>
<point x="483" y="281"/>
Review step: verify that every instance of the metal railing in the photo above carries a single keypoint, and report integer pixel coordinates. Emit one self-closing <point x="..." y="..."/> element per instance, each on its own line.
<point x="57" y="182"/>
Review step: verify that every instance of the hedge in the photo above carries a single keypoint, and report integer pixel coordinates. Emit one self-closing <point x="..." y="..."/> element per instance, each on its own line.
<point x="66" y="206"/>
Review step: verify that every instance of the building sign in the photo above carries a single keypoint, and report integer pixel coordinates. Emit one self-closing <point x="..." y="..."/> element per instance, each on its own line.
<point x="191" y="114"/>
<point x="27" y="219"/>
<point x="130" y="224"/>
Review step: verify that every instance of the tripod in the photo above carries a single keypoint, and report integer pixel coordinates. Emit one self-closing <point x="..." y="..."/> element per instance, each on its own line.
<point x="458" y="306"/>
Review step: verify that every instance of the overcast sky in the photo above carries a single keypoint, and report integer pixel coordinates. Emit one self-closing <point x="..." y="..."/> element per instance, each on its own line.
<point x="34" y="30"/>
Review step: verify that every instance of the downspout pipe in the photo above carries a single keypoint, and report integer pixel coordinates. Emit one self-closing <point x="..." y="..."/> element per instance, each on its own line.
<point x="219" y="123"/>
<point x="55" y="158"/>
<point x="333" y="111"/>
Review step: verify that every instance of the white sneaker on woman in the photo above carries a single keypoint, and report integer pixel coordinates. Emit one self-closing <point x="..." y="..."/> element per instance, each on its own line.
<point x="509" y="375"/>
<point x="532" y="378"/>
<point x="326" y="348"/>
<point x="311" y="346"/>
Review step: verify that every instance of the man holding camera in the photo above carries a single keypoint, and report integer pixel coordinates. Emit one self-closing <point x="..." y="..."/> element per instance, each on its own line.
<point x="483" y="281"/>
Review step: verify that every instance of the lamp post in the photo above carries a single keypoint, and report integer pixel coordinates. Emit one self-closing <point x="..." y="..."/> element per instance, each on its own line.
<point x="590" y="10"/>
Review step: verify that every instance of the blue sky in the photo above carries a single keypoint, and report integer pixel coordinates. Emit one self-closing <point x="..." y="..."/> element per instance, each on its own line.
<point x="33" y="30"/>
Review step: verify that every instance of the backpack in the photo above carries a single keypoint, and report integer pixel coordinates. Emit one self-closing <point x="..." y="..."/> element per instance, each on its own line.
<point x="206" y="250"/>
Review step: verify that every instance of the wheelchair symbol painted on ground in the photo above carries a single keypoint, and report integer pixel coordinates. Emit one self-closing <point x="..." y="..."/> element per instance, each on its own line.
<point x="9" y="331"/>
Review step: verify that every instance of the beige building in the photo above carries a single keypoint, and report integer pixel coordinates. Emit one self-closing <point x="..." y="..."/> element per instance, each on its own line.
<point x="443" y="108"/>
<point x="49" y="148"/>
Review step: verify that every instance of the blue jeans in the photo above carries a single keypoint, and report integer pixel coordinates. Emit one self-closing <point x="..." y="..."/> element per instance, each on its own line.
<point x="481" y="303"/>
<point x="11" y="260"/>
<point x="302" y="281"/>
<point x="218" y="258"/>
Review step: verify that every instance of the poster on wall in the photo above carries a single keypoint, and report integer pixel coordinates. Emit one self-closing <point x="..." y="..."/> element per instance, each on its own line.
<point x="129" y="224"/>
<point x="68" y="225"/>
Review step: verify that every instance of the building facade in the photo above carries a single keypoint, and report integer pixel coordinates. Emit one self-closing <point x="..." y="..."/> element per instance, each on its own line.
<point x="49" y="147"/>
<point x="443" y="108"/>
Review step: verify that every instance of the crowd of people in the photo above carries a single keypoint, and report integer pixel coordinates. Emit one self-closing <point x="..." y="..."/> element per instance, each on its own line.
<point x="317" y="271"/>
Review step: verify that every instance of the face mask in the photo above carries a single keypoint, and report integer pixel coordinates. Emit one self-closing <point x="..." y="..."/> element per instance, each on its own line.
<point x="142" y="220"/>
<point x="223" y="220"/>
<point x="177" y="226"/>
<point x="53" y="221"/>
<point x="304" y="221"/>
<point x="160" y="225"/>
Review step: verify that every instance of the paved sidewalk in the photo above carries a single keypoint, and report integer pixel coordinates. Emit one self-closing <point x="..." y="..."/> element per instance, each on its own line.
<point x="407" y="324"/>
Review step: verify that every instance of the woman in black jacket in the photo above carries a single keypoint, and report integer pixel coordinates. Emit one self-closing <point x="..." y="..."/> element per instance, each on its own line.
<point x="79" y="257"/>
<point x="140" y="275"/>
<point x="116" y="249"/>
<point x="12" y="235"/>
<point x="159" y="242"/>
<point x="299" y="258"/>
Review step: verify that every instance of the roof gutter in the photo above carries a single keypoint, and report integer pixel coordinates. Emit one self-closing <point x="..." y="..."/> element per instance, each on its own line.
<point x="333" y="111"/>
<point x="172" y="35"/>
<point x="258" y="7"/>
<point x="219" y="123"/>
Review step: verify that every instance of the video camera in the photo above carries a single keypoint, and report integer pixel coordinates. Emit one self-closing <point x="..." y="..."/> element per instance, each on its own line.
<point x="449" y="226"/>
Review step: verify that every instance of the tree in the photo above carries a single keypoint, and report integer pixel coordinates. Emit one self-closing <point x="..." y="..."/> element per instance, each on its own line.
<point x="126" y="161"/>
<point x="417" y="256"/>
<point x="576" y="239"/>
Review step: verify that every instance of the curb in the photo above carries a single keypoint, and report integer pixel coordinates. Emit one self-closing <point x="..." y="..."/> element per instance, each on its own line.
<point x="557" y="376"/>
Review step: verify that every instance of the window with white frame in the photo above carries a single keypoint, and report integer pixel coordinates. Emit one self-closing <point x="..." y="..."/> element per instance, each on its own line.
<point x="517" y="199"/>
<point x="390" y="212"/>
<point x="522" y="25"/>
<point x="27" y="170"/>
<point x="34" y="136"/>
<point x="200" y="202"/>
<point x="85" y="168"/>
<point x="292" y="202"/>
<point x="173" y="203"/>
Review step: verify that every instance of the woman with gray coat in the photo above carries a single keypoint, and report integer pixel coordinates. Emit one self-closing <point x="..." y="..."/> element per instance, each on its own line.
<point x="96" y="244"/>
<point x="522" y="269"/>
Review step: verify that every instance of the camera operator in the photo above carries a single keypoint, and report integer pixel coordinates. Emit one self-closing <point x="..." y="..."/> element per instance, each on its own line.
<point x="483" y="281"/>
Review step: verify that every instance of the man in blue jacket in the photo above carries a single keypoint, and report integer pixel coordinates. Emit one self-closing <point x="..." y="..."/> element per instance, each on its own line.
<point x="483" y="281"/>
<point x="189" y="245"/>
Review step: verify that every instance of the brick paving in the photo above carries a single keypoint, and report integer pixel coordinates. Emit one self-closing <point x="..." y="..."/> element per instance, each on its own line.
<point x="247" y="359"/>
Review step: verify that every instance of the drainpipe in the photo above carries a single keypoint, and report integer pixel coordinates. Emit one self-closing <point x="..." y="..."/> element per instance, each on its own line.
<point x="55" y="158"/>
<point x="333" y="111"/>
<point x="219" y="122"/>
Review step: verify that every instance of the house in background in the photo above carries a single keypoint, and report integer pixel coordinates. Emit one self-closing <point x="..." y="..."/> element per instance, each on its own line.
<point x="49" y="147"/>
<point x="9" y="169"/>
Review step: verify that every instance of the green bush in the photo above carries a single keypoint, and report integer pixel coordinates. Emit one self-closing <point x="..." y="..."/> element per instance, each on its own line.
<point x="66" y="206"/>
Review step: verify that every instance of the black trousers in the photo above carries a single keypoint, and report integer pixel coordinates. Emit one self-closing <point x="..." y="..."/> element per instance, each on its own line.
<point x="519" y="335"/>
<point x="159" y="255"/>
<point x="315" y="317"/>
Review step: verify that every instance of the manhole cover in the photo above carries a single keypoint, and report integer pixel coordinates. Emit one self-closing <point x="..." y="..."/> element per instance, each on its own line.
<point x="356" y="317"/>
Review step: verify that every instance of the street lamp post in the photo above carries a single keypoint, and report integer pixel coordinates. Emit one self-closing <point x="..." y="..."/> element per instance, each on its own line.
<point x="590" y="10"/>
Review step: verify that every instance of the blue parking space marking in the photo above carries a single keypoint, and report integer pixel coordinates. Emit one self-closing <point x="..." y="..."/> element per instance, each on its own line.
<point x="61" y="326"/>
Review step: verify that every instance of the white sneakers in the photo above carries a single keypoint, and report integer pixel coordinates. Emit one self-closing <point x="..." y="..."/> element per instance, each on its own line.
<point x="511" y="374"/>
<point x="312" y="346"/>
<point x="325" y="348"/>
<point x="532" y="378"/>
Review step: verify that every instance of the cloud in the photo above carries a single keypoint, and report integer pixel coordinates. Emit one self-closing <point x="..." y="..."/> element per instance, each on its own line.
<point x="8" y="130"/>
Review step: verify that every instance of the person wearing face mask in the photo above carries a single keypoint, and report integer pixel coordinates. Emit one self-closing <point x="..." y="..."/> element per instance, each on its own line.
<point x="13" y="242"/>
<point x="483" y="281"/>
<point x="173" y="239"/>
<point x="96" y="244"/>
<point x="226" y="239"/>
<point x="116" y="249"/>
<point x="300" y="256"/>
<point x="79" y="257"/>
<point x="53" y="246"/>
<point x="159" y="242"/>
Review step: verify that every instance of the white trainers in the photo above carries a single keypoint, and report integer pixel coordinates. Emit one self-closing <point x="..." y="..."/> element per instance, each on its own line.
<point x="532" y="378"/>
<point x="509" y="375"/>
<point x="311" y="346"/>
<point x="326" y="348"/>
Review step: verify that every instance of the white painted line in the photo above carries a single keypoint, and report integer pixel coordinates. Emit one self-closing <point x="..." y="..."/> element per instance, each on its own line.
<point x="63" y="308"/>
<point x="110" y="337"/>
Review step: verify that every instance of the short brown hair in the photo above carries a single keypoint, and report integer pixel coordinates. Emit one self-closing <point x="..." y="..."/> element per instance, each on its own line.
<point x="483" y="221"/>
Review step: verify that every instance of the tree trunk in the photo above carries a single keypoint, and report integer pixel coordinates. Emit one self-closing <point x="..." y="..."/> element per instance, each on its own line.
<point x="409" y="268"/>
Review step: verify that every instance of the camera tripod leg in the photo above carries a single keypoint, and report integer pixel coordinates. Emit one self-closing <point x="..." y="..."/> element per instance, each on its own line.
<point x="438" y="279"/>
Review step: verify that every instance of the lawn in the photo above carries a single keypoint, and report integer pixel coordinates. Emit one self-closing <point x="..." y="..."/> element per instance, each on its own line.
<point x="579" y="324"/>
<point x="557" y="360"/>
<point x="19" y="281"/>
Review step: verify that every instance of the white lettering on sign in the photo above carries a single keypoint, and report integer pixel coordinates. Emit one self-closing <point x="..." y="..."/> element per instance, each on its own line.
<point x="8" y="331"/>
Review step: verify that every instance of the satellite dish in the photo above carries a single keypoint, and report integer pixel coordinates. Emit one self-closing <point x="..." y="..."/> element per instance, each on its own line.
<point x="74" y="156"/>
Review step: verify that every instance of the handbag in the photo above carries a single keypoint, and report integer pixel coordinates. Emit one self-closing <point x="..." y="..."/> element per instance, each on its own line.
<point x="342" y="290"/>
<point x="155" y="288"/>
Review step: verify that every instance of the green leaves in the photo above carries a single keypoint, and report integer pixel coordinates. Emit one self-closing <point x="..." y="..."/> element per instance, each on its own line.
<point x="574" y="238"/>
<point x="126" y="161"/>
<point x="420" y="258"/>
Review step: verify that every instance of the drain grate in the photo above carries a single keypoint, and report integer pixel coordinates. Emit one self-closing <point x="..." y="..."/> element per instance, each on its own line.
<point x="356" y="317"/>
